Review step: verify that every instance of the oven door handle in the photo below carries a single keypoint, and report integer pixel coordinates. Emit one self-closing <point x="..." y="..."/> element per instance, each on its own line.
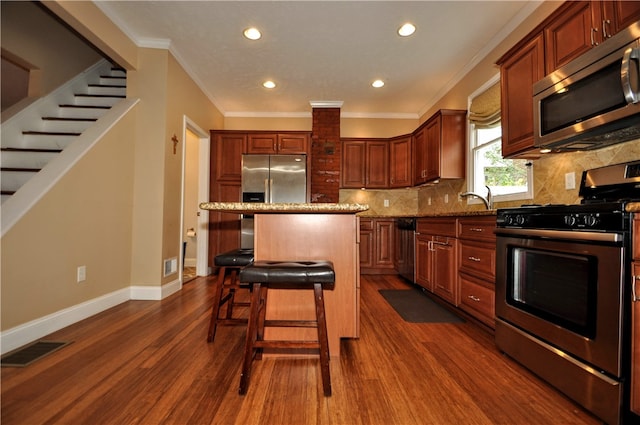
<point x="559" y="234"/>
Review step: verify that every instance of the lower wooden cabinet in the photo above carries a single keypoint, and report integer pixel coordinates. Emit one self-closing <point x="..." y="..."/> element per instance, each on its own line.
<point x="377" y="245"/>
<point x="635" y="341"/>
<point x="477" y="299"/>
<point x="436" y="252"/>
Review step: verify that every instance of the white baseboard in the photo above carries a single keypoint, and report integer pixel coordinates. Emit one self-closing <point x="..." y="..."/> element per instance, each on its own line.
<point x="31" y="331"/>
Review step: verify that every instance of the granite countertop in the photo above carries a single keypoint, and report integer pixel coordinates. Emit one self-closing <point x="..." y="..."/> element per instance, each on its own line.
<point x="633" y="207"/>
<point x="436" y="214"/>
<point x="283" y="208"/>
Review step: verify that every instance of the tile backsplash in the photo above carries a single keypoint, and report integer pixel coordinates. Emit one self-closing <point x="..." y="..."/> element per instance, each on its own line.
<point x="549" y="185"/>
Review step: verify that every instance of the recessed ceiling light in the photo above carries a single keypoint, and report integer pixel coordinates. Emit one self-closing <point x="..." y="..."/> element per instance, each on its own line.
<point x="269" y="84"/>
<point x="377" y="83"/>
<point x="406" y="30"/>
<point x="252" y="33"/>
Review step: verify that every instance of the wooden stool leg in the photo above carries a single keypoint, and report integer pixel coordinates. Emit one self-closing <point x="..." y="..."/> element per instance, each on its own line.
<point x="261" y="318"/>
<point x="215" y="309"/>
<point x="252" y="332"/>
<point x="322" y="339"/>
<point x="232" y="294"/>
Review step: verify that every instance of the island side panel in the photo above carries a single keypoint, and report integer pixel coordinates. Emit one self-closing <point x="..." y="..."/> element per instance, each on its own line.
<point x="332" y="237"/>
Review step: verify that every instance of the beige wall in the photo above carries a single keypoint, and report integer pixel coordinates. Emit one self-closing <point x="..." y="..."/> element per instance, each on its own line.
<point x="118" y="210"/>
<point x="27" y="29"/>
<point x="84" y="220"/>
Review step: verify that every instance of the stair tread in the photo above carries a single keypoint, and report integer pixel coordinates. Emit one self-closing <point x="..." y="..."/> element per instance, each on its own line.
<point x="8" y="149"/>
<point x="85" y="106"/>
<point x="51" y="133"/>
<point x="69" y="119"/>
<point x="31" y="170"/>
<point x="100" y="95"/>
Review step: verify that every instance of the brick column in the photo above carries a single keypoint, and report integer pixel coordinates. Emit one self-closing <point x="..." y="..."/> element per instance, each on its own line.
<point x="326" y="153"/>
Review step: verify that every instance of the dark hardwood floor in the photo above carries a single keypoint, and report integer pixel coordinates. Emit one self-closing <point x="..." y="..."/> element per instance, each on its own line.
<point x="148" y="362"/>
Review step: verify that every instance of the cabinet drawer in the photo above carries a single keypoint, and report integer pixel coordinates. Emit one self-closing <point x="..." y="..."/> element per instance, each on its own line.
<point x="477" y="300"/>
<point x="478" y="257"/>
<point x="443" y="227"/>
<point x="477" y="229"/>
<point x="366" y="224"/>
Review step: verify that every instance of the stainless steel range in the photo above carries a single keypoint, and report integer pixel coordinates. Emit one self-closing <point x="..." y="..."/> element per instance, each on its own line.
<point x="562" y="306"/>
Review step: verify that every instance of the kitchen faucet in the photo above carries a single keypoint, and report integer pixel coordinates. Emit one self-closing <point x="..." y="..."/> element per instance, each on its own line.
<point x="488" y="201"/>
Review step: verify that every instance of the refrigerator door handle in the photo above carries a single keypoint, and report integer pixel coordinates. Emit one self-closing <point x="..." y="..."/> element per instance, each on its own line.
<point x="267" y="194"/>
<point x="271" y="191"/>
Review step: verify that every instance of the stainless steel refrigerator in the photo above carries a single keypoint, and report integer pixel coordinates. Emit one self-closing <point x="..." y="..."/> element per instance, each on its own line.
<point x="271" y="179"/>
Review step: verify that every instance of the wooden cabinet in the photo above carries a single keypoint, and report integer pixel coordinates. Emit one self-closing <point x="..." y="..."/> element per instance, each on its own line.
<point x="277" y="143"/>
<point x="365" y="163"/>
<point x="579" y="26"/>
<point x="477" y="264"/>
<point x="377" y="245"/>
<point x="635" y="319"/>
<point x="520" y="68"/>
<point x="227" y="148"/>
<point x="400" y="162"/>
<point x="436" y="257"/>
<point x="440" y="145"/>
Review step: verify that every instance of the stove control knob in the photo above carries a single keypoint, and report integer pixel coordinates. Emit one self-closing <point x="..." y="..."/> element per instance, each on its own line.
<point x="570" y="220"/>
<point x="520" y="220"/>
<point x="591" y="220"/>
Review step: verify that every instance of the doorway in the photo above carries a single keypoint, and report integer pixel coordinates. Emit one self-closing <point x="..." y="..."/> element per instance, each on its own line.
<point x="195" y="189"/>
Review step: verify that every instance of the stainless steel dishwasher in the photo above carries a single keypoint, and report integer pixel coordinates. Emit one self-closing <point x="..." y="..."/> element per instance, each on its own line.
<point x="406" y="228"/>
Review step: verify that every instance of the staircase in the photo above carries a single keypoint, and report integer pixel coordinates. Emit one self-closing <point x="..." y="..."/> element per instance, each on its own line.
<point x="35" y="136"/>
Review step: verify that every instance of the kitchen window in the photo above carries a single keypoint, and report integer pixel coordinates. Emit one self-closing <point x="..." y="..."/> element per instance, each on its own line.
<point x="509" y="179"/>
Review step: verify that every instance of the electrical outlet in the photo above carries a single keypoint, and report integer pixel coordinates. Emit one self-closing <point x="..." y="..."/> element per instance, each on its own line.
<point x="81" y="274"/>
<point x="429" y="200"/>
<point x="386" y="202"/>
<point x="446" y="198"/>
<point x="570" y="181"/>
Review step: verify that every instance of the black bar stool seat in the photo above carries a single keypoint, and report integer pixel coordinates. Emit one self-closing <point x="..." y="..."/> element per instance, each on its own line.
<point x="230" y="263"/>
<point x="262" y="275"/>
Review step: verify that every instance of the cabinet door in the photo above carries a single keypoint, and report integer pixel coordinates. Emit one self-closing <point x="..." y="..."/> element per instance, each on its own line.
<point x="262" y="143"/>
<point x="424" y="262"/>
<point x="353" y="164"/>
<point x="635" y="342"/>
<point x="400" y="162"/>
<point x="569" y="35"/>
<point x="384" y="230"/>
<point x="518" y="73"/>
<point x="617" y="15"/>
<point x="224" y="228"/>
<point x="433" y="143"/>
<point x="377" y="164"/>
<point x="366" y="243"/>
<point x="444" y="270"/>
<point x="229" y="148"/>
<point x="289" y="144"/>
<point x="419" y="157"/>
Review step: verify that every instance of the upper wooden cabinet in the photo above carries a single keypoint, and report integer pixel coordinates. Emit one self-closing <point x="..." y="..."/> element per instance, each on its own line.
<point x="574" y="28"/>
<point x="400" y="162"/>
<point x="228" y="148"/>
<point x="579" y="26"/>
<point x="518" y="71"/>
<point x="365" y="163"/>
<point x="277" y="143"/>
<point x="439" y="147"/>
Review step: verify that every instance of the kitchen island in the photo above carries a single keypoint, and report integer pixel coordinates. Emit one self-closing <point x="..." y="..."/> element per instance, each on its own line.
<point x="308" y="232"/>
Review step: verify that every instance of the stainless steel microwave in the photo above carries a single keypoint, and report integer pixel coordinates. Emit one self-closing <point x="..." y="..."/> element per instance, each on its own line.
<point x="594" y="100"/>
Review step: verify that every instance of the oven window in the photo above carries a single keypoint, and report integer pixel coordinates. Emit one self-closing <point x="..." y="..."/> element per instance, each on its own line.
<point x="555" y="286"/>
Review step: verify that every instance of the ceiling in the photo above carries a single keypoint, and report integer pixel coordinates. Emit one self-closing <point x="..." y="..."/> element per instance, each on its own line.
<point x="322" y="50"/>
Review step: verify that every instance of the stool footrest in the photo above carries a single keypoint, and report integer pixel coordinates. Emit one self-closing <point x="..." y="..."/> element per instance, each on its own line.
<point x="290" y="323"/>
<point x="286" y="344"/>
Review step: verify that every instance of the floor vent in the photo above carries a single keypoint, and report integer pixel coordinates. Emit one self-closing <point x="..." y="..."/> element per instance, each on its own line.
<point x="26" y="355"/>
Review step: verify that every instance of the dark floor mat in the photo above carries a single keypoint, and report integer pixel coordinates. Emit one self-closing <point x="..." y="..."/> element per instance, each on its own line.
<point x="29" y="354"/>
<point x="416" y="307"/>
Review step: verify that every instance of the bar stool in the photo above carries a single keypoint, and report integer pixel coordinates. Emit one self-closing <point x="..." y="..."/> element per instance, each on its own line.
<point x="262" y="275"/>
<point x="224" y="291"/>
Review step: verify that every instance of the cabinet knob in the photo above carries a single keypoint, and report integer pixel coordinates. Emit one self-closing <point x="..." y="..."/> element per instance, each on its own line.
<point x="476" y="229"/>
<point x="476" y="259"/>
<point x="474" y="298"/>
